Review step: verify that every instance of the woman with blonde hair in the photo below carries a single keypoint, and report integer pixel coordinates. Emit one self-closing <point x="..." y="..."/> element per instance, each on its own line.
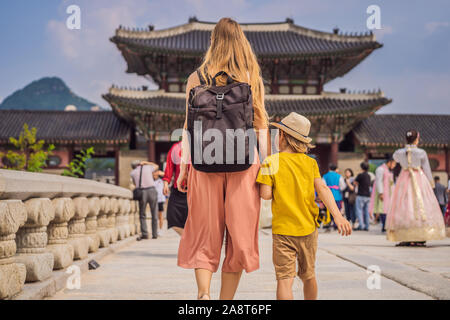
<point x="223" y="201"/>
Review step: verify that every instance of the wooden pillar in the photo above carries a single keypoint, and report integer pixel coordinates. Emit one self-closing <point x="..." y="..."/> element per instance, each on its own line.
<point x="71" y="152"/>
<point x="322" y="152"/>
<point x="133" y="138"/>
<point x="151" y="149"/>
<point x="334" y="152"/>
<point x="274" y="89"/>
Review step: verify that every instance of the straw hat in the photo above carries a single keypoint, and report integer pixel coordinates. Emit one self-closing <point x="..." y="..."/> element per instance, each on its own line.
<point x="295" y="125"/>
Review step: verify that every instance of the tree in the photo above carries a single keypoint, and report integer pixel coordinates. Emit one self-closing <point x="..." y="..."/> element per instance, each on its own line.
<point x="31" y="155"/>
<point x="78" y="164"/>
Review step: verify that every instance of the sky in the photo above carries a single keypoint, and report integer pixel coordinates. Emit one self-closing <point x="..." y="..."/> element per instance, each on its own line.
<point x="412" y="67"/>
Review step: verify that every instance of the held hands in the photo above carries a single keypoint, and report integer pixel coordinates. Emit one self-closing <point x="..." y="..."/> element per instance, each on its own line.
<point x="344" y="227"/>
<point x="381" y="196"/>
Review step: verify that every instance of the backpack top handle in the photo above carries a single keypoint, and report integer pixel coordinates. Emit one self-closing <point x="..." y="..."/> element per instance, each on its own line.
<point x="203" y="82"/>
<point x="229" y="79"/>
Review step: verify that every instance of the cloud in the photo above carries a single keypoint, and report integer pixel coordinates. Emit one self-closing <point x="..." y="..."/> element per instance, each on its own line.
<point x="66" y="39"/>
<point x="433" y="26"/>
<point x="91" y="62"/>
<point x="84" y="47"/>
<point x="380" y="33"/>
<point x="431" y="97"/>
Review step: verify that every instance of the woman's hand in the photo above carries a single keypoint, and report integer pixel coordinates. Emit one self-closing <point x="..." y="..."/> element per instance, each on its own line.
<point x="182" y="179"/>
<point x="166" y="189"/>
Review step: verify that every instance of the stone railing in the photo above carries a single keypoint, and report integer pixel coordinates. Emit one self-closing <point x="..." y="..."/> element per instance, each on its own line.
<point x="48" y="221"/>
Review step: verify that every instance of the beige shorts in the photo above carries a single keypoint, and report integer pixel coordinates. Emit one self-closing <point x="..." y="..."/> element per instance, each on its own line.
<point x="288" y="249"/>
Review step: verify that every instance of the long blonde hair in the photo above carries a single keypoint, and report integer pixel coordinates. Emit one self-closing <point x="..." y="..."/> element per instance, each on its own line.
<point x="230" y="51"/>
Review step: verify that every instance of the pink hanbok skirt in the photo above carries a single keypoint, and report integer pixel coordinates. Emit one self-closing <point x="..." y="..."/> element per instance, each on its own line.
<point x="414" y="214"/>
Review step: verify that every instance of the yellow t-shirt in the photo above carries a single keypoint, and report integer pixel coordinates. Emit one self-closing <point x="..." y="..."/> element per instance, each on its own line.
<point x="291" y="176"/>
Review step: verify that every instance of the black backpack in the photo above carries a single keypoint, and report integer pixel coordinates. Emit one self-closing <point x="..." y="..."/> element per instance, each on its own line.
<point x="228" y="110"/>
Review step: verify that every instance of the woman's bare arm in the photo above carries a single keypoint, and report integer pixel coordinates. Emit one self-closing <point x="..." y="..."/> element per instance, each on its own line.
<point x="192" y="82"/>
<point x="263" y="132"/>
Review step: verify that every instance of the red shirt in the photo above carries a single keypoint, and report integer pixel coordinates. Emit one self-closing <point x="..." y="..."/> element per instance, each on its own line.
<point x="173" y="164"/>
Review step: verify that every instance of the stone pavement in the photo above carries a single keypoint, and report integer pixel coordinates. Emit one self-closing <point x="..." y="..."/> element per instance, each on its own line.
<point x="148" y="270"/>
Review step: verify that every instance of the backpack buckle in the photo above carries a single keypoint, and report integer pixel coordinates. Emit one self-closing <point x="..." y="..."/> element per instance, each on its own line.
<point x="219" y="99"/>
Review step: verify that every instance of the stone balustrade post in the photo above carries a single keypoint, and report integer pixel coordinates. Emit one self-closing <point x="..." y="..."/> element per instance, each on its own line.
<point x="92" y="224"/>
<point x="13" y="215"/>
<point x="32" y="238"/>
<point x="131" y="218"/>
<point x="123" y="219"/>
<point x="112" y="220"/>
<point x="120" y="219"/>
<point x="127" y="218"/>
<point x="58" y="233"/>
<point x="77" y="229"/>
<point x="102" y="222"/>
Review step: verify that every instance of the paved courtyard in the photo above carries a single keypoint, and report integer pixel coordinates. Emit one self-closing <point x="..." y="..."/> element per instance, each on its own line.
<point x="148" y="270"/>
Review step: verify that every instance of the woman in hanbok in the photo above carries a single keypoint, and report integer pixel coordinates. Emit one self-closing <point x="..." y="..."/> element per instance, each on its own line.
<point x="414" y="216"/>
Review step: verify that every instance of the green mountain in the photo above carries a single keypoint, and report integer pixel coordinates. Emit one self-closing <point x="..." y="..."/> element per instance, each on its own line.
<point x="45" y="94"/>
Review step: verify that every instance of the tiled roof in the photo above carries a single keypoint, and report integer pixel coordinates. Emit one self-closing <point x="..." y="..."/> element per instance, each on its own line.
<point x="390" y="129"/>
<point x="65" y="126"/>
<point x="330" y="104"/>
<point x="267" y="39"/>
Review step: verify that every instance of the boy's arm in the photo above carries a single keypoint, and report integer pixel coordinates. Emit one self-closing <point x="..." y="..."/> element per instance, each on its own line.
<point x="265" y="191"/>
<point x="327" y="198"/>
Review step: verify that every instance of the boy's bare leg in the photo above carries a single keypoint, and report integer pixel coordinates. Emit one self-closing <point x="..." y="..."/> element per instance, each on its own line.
<point x="310" y="289"/>
<point x="284" y="289"/>
<point x="230" y="282"/>
<point x="178" y="230"/>
<point x="203" y="278"/>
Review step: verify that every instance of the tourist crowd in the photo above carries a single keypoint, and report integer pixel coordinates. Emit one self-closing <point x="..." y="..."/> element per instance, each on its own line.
<point x="366" y="198"/>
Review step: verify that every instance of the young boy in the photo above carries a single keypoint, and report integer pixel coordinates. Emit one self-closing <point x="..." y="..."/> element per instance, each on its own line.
<point x="290" y="178"/>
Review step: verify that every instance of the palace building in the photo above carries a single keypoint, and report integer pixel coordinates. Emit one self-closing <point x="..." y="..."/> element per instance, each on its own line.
<point x="296" y="63"/>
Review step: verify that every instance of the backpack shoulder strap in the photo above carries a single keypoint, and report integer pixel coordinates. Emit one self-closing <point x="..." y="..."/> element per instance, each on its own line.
<point x="202" y="80"/>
